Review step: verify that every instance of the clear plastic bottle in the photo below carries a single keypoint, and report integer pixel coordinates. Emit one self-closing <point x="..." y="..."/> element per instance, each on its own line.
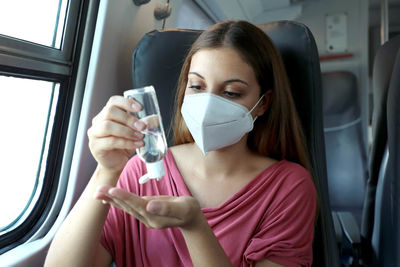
<point x="155" y="145"/>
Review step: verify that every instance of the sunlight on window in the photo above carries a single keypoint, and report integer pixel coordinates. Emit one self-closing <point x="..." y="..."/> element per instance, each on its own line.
<point x="24" y="109"/>
<point x="40" y="22"/>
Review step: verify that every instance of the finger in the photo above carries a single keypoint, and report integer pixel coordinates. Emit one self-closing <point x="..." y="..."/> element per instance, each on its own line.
<point x="110" y="128"/>
<point x="133" y="206"/>
<point x="104" y="199"/>
<point x="110" y="143"/>
<point x="128" y="104"/>
<point x="150" y="220"/>
<point x="148" y="198"/>
<point x="101" y="196"/>
<point x="103" y="188"/>
<point x="180" y="208"/>
<point x="118" y="204"/>
<point x="130" y="209"/>
<point x="120" y="109"/>
<point x="135" y="202"/>
<point x="101" y="192"/>
<point x="121" y="116"/>
<point x="123" y="205"/>
<point x="125" y="195"/>
<point x="160" y="222"/>
<point x="116" y="103"/>
<point x="151" y="121"/>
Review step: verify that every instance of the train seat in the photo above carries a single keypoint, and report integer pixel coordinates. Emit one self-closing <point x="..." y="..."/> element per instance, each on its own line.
<point x="382" y="74"/>
<point x="386" y="224"/>
<point x="346" y="151"/>
<point x="378" y="244"/>
<point x="163" y="53"/>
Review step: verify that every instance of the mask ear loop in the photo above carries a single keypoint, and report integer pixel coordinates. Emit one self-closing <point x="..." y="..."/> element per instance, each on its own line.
<point x="258" y="102"/>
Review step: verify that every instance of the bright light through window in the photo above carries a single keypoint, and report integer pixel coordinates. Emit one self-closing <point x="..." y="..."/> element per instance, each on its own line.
<point x="40" y="22"/>
<point x="26" y="112"/>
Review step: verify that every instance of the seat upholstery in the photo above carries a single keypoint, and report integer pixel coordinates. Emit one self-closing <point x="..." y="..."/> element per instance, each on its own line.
<point x="159" y="56"/>
<point x="346" y="151"/>
<point x="157" y="60"/>
<point x="386" y="228"/>
<point x="382" y="74"/>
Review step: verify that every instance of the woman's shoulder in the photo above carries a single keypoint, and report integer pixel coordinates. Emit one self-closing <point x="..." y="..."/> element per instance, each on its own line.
<point x="293" y="178"/>
<point x="294" y="169"/>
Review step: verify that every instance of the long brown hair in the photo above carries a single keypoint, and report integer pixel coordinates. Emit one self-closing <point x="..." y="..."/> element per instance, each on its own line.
<point x="277" y="133"/>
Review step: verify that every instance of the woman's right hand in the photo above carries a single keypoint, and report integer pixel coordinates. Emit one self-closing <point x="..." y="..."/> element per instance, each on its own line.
<point x="115" y="134"/>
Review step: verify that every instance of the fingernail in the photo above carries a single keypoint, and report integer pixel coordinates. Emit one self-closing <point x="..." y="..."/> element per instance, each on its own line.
<point x="154" y="207"/>
<point x="138" y="143"/>
<point x="138" y="135"/>
<point x="111" y="192"/>
<point x="136" y="106"/>
<point x="139" y="125"/>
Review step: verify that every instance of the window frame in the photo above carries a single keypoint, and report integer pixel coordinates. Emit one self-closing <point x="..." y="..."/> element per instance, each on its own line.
<point x="23" y="59"/>
<point x="16" y="52"/>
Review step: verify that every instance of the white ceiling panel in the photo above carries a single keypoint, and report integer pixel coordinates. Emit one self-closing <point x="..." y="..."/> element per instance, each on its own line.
<point x="272" y="4"/>
<point x="285" y="13"/>
<point x="251" y="8"/>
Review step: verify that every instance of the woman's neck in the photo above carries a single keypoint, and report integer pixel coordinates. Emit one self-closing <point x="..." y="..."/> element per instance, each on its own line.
<point x="224" y="162"/>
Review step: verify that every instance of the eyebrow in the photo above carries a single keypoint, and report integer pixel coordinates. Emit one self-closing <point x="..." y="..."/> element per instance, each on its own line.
<point x="236" y="81"/>
<point x="227" y="81"/>
<point x="197" y="74"/>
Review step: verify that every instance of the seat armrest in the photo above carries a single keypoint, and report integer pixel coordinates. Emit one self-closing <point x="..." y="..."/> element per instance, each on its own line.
<point x="350" y="246"/>
<point x="338" y="228"/>
<point x="349" y="226"/>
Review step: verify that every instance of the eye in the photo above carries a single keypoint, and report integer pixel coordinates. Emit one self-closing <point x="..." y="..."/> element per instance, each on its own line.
<point x="195" y="87"/>
<point x="231" y="94"/>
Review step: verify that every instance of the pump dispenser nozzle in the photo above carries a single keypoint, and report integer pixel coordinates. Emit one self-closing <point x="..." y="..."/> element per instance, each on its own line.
<point x="155" y="170"/>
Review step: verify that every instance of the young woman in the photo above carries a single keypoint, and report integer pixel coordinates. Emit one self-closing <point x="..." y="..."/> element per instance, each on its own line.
<point x="236" y="189"/>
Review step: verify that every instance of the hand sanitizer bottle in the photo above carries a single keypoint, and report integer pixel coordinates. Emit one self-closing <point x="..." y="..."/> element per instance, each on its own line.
<point x="155" y="145"/>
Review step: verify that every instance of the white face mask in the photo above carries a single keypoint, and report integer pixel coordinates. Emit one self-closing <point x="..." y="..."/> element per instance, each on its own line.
<point x="216" y="122"/>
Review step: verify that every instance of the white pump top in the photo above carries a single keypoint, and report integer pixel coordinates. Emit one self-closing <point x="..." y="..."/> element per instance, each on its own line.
<point x="155" y="170"/>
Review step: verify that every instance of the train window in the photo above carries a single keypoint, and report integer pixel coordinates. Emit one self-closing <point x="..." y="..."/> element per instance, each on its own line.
<point x="40" y="48"/>
<point x="40" y="22"/>
<point x="27" y="107"/>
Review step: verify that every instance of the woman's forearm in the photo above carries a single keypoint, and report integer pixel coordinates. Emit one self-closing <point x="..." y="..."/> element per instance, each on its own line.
<point x="204" y="247"/>
<point x="77" y="240"/>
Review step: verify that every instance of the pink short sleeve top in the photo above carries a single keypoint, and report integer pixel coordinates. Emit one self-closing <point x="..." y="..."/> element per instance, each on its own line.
<point x="272" y="217"/>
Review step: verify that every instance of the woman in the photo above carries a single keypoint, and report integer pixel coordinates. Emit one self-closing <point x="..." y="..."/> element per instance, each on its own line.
<point x="236" y="190"/>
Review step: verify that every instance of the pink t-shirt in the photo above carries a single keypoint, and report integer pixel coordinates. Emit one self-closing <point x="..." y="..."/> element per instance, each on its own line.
<point x="272" y="217"/>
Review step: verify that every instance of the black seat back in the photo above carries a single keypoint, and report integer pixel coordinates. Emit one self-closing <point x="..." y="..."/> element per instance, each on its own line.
<point x="382" y="75"/>
<point x="346" y="151"/>
<point x="386" y="227"/>
<point x="159" y="56"/>
<point x="297" y="46"/>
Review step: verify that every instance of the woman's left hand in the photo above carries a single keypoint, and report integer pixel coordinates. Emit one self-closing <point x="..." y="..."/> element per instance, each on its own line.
<point x="153" y="211"/>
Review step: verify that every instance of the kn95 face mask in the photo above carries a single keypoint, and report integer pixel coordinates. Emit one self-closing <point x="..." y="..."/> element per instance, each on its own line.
<point x="216" y="122"/>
